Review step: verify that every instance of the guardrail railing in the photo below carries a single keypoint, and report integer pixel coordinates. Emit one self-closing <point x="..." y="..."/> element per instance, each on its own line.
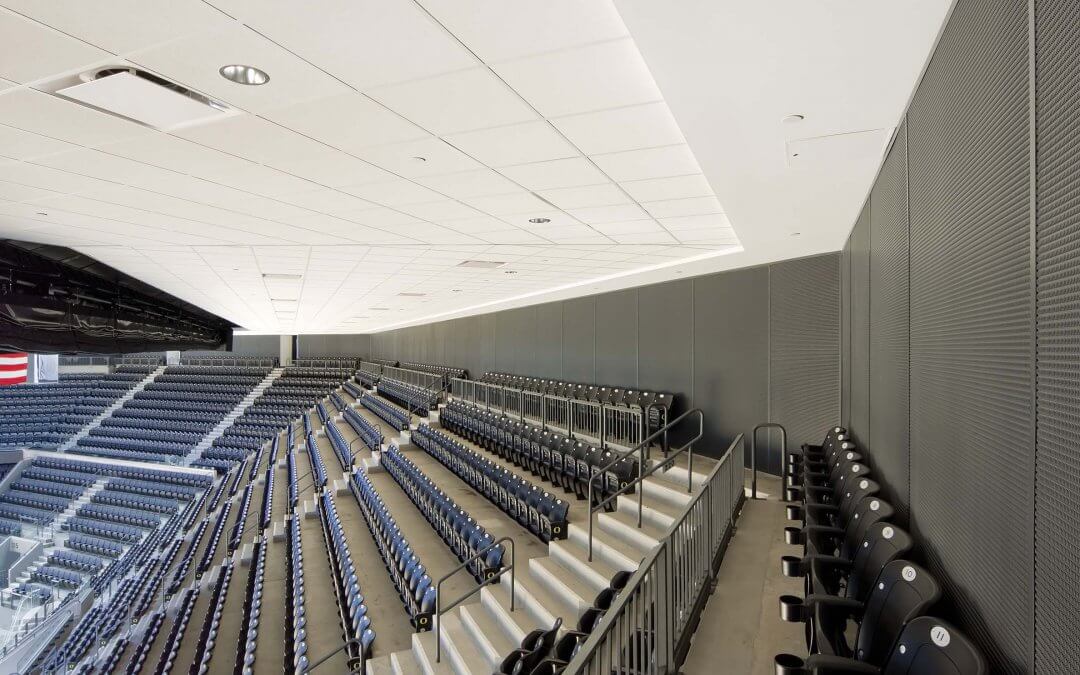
<point x="648" y="628"/>
<point x="416" y="377"/>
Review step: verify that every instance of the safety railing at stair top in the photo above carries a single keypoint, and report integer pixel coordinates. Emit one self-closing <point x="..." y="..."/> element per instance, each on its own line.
<point x="647" y="629"/>
<point x="441" y="608"/>
<point x="596" y="422"/>
<point x="642" y="449"/>
<point x="415" y="377"/>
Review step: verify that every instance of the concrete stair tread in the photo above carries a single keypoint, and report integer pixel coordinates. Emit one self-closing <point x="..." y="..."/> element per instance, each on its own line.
<point x="464" y="654"/>
<point x="424" y="652"/>
<point x="597" y="573"/>
<point x="564" y="581"/>
<point x="380" y="665"/>
<point x="404" y="663"/>
<point x="490" y="635"/>
<point x="517" y="623"/>
<point x="613" y="547"/>
<point x="624" y="523"/>
<point x="535" y="595"/>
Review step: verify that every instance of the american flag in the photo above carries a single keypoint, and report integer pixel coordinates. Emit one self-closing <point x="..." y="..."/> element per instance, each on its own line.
<point x="12" y="368"/>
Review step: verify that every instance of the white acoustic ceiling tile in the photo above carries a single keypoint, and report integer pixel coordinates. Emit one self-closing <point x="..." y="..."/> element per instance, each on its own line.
<point x="628" y="227"/>
<point x="30" y="51"/>
<point x="427" y="157"/>
<point x="349" y="121"/>
<point x="676" y="187"/>
<point x="515" y="144"/>
<point x="365" y="44"/>
<point x="475" y="225"/>
<point x="94" y="163"/>
<point x="333" y="202"/>
<point x="707" y="236"/>
<point x="331" y="168"/>
<point x="590" y="195"/>
<point x="393" y="193"/>
<point x="509" y="204"/>
<point x="253" y="138"/>
<point x="465" y="184"/>
<point x="558" y="173"/>
<point x="455" y="102"/>
<point x="441" y="211"/>
<point x="40" y="113"/>
<point x="48" y="178"/>
<point x="194" y="61"/>
<point x="630" y="128"/>
<point x="554" y="218"/>
<point x="498" y="30"/>
<point x="123" y="25"/>
<point x="178" y="154"/>
<point x="266" y="181"/>
<point x="17" y="144"/>
<point x="671" y="160"/>
<point x="14" y="192"/>
<point x="511" y="236"/>
<point x="380" y="217"/>
<point x="435" y="234"/>
<point x="609" y="214"/>
<point x="583" y="79"/>
<point x="644" y="238"/>
<point x="716" y="220"/>
<point x="692" y="206"/>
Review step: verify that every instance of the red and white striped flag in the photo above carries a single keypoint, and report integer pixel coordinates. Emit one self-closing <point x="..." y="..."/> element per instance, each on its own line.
<point x="12" y="368"/>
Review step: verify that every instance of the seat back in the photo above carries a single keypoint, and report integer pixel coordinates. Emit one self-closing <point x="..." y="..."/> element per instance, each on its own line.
<point x="884" y="543"/>
<point x="902" y="592"/>
<point x="930" y="646"/>
<point x="867" y="512"/>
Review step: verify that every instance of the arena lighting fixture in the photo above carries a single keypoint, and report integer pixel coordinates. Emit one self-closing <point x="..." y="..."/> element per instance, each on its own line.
<point x="241" y="74"/>
<point x="564" y="287"/>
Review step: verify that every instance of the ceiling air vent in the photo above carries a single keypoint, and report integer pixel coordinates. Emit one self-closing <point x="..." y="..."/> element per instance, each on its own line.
<point x="143" y="97"/>
<point x="482" y="264"/>
<point x="412" y="295"/>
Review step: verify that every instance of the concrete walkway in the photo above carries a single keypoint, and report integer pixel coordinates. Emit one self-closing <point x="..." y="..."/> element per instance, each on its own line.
<point x="741" y="630"/>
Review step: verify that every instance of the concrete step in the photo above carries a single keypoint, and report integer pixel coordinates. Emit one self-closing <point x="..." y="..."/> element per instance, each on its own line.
<point x="663" y="491"/>
<point x="515" y="624"/>
<point x="624" y="525"/>
<point x="461" y="650"/>
<point x="404" y="663"/>
<point x="597" y="573"/>
<point x="654" y="513"/>
<point x="539" y="602"/>
<point x="614" y="550"/>
<point x="485" y="628"/>
<point x="423" y="650"/>
<point x="380" y="666"/>
<point x="676" y="476"/>
<point x="563" y="583"/>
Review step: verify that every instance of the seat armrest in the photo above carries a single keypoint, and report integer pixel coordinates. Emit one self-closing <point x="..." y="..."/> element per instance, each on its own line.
<point x="825" y="664"/>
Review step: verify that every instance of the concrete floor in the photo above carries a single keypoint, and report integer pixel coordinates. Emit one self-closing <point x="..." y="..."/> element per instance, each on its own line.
<point x="741" y="630"/>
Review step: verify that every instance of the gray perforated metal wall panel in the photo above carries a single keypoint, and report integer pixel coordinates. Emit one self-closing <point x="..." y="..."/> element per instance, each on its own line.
<point x="731" y="357"/>
<point x="666" y="345"/>
<point x="1057" y="493"/>
<point x="887" y="435"/>
<point x="845" y="334"/>
<point x="515" y="347"/>
<point x="859" y="414"/>
<point x="579" y="340"/>
<point x="972" y="446"/>
<point x="549" y="342"/>
<point x="804" y="346"/>
<point x="617" y="338"/>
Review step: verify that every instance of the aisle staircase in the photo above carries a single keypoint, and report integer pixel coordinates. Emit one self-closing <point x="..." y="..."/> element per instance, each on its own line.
<point x="477" y="636"/>
<point x="235" y="413"/>
<point x="94" y="423"/>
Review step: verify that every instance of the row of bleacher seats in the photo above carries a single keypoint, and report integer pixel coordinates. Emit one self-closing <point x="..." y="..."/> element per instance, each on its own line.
<point x="180" y="623"/>
<point x="124" y="471"/>
<point x="143" y="502"/>
<point x="48" y="487"/>
<point x="212" y="621"/>
<point x="369" y="434"/>
<point x="390" y="413"/>
<point x="295" y="610"/>
<point x="414" y="586"/>
<point x="584" y="392"/>
<point x="35" y="500"/>
<point x="288" y="396"/>
<point x="118" y="532"/>
<point x="119" y="514"/>
<point x="465" y="537"/>
<point x="382" y="362"/>
<point x="249" y="632"/>
<point x="95" y="545"/>
<point x="46" y="415"/>
<point x="554" y="457"/>
<point x="866" y="602"/>
<point x="544" y="514"/>
<point x="446" y="372"/>
<point x="353" y="611"/>
<point x="342" y="362"/>
<point x="341" y="448"/>
<point x="81" y="562"/>
<point x="56" y="576"/>
<point x="409" y="396"/>
<point x="153" y="489"/>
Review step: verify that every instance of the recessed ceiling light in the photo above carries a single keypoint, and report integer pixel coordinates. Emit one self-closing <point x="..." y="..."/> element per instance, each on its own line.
<point x="539" y="221"/>
<point x="793" y="119"/>
<point x="511" y="272"/>
<point x="419" y="159"/>
<point x="795" y="234"/>
<point x="455" y="290"/>
<point x="412" y="295"/>
<point x="42" y="213"/>
<point x="241" y="74"/>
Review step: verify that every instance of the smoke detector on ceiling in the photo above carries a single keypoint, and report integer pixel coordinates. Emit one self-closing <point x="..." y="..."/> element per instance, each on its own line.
<point x="143" y="97"/>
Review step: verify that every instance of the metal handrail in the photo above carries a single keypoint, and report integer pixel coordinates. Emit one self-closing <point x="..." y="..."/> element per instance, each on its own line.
<point x="440" y="609"/>
<point x="753" y="452"/>
<point x="643" y="448"/>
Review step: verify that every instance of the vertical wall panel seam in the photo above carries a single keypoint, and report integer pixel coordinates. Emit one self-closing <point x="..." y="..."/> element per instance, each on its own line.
<point x="1033" y="271"/>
